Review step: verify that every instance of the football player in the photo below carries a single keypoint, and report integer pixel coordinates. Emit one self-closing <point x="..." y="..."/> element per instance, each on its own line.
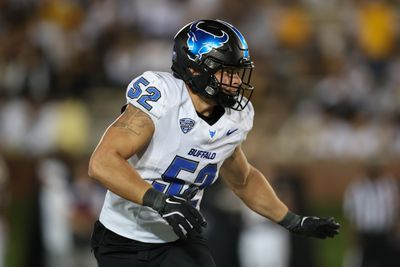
<point x="178" y="132"/>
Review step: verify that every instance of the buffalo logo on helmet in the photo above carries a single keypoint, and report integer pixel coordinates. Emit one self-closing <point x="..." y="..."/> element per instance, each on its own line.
<point x="201" y="42"/>
<point x="241" y="38"/>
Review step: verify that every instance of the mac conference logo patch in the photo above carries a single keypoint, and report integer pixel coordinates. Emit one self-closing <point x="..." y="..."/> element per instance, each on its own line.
<point x="186" y="124"/>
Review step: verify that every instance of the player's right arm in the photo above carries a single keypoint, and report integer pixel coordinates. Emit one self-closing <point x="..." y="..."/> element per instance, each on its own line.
<point x="128" y="135"/>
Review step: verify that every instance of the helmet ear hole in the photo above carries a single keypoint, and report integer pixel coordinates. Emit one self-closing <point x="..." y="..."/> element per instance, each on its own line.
<point x="211" y="91"/>
<point x="211" y="64"/>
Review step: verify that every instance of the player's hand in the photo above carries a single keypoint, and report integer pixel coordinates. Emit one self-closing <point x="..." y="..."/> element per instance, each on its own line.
<point x="311" y="225"/>
<point x="182" y="216"/>
<point x="177" y="211"/>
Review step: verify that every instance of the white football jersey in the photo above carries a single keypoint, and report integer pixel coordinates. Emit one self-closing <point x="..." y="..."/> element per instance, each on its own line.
<point x="185" y="150"/>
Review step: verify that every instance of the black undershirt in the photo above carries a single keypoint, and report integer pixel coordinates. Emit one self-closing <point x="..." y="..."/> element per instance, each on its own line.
<point x="218" y="112"/>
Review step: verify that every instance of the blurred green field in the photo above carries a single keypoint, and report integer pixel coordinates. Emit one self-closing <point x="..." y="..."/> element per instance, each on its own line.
<point x="331" y="251"/>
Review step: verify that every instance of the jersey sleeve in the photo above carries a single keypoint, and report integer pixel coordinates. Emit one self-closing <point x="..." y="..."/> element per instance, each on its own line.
<point x="147" y="92"/>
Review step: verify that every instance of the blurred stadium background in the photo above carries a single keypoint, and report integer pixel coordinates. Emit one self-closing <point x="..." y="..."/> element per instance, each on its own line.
<point x="327" y="104"/>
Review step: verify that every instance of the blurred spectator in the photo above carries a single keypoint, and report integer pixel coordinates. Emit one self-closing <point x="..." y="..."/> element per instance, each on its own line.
<point x="41" y="129"/>
<point x="40" y="137"/>
<point x="371" y="204"/>
<point x="376" y="33"/>
<point x="266" y="244"/>
<point x="55" y="211"/>
<point x="15" y="120"/>
<point x="86" y="201"/>
<point x="69" y="202"/>
<point x="262" y="243"/>
<point x="293" y="28"/>
<point x="121" y="60"/>
<point x="161" y="23"/>
<point x="73" y="127"/>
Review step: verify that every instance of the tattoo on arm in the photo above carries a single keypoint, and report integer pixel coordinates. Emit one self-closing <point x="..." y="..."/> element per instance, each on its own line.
<point x="134" y="120"/>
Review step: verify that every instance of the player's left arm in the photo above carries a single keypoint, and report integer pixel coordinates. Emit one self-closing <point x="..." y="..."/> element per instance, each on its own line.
<point x="253" y="188"/>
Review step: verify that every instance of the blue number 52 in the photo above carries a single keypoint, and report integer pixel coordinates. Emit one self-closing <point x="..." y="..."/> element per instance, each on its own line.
<point x="204" y="178"/>
<point x="153" y="94"/>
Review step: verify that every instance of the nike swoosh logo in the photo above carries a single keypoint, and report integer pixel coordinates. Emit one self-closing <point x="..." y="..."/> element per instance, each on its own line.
<point x="303" y="220"/>
<point x="172" y="202"/>
<point x="173" y="213"/>
<point x="231" y="132"/>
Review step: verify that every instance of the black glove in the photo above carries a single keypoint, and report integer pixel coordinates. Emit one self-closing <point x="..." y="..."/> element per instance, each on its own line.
<point x="310" y="226"/>
<point x="177" y="211"/>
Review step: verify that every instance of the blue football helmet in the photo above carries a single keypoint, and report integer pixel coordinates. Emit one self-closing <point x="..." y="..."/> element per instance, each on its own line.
<point x="201" y="49"/>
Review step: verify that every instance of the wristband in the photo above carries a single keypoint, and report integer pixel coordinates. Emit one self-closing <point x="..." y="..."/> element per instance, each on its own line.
<point x="290" y="220"/>
<point x="154" y="199"/>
